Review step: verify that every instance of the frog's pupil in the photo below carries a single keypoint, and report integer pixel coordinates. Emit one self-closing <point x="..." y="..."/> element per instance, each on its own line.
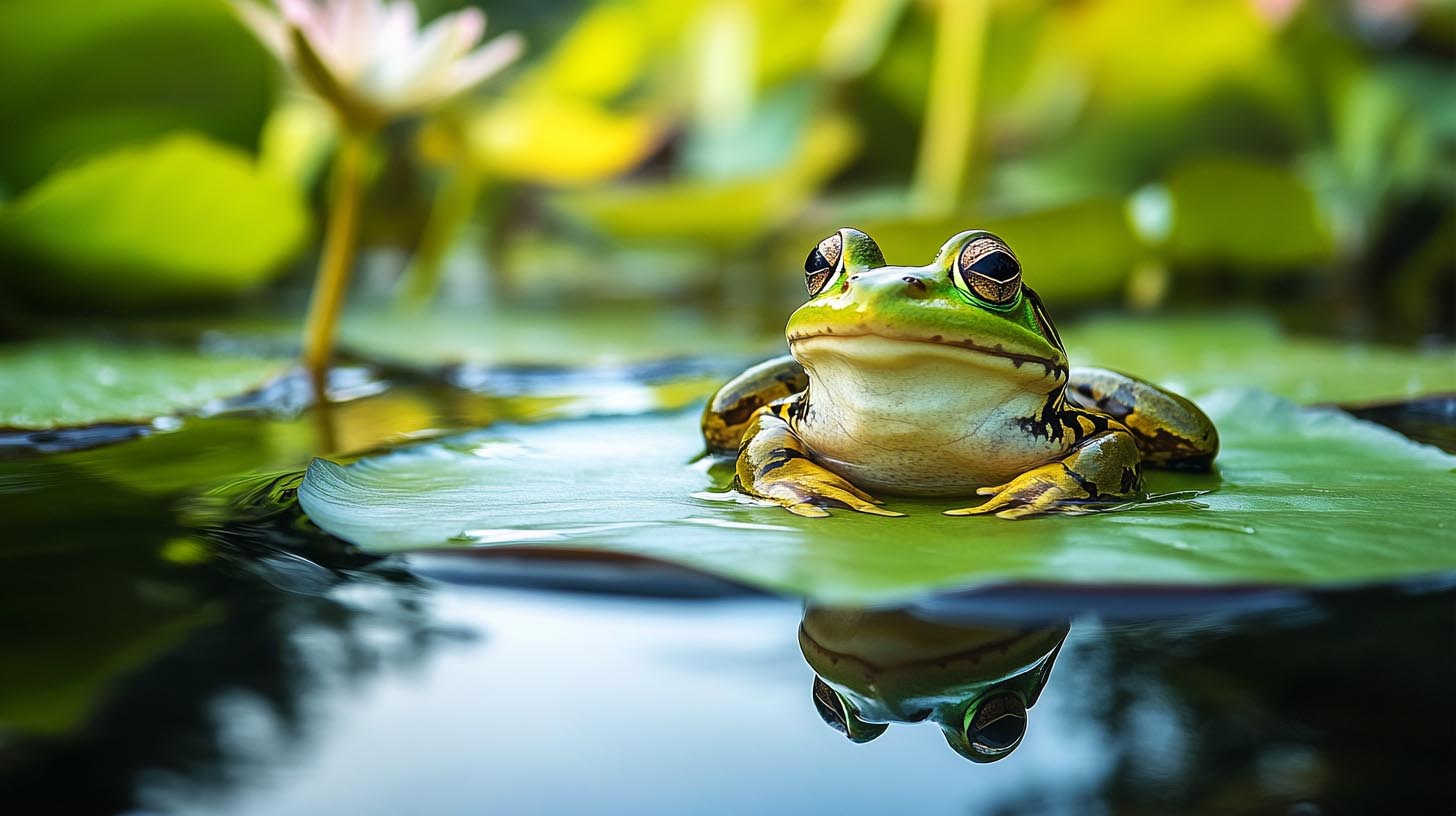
<point x="998" y="266"/>
<point x="815" y="262"/>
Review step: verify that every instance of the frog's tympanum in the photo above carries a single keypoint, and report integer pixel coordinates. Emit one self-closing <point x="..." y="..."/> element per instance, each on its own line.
<point x="941" y="380"/>
<point x="873" y="668"/>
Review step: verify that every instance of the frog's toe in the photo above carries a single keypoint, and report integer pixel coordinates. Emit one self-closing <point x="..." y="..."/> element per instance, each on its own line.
<point x="1034" y="493"/>
<point x="1023" y="511"/>
<point x="852" y="498"/>
<point x="807" y="510"/>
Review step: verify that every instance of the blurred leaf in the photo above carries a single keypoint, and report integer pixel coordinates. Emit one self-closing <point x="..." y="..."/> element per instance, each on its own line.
<point x="1197" y="354"/>
<point x="601" y="57"/>
<point x="557" y="140"/>
<point x="1141" y="52"/>
<point x="763" y="139"/>
<point x="717" y="216"/>
<point x="184" y="218"/>
<point x="296" y="140"/>
<point x="1240" y="213"/>
<point x="51" y="384"/>
<point x="1308" y="497"/>
<point x="83" y="76"/>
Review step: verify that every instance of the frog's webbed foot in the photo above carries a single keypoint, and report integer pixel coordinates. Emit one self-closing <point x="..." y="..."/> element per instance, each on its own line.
<point x="1103" y="470"/>
<point x="774" y="465"/>
<point x="1047" y="489"/>
<point x="805" y="489"/>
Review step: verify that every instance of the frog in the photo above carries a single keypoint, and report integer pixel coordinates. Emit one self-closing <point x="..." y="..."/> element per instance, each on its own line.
<point x="947" y="380"/>
<point x="877" y="667"/>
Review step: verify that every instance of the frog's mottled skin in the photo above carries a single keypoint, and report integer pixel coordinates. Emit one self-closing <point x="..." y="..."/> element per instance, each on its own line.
<point x="874" y="668"/>
<point x="941" y="380"/>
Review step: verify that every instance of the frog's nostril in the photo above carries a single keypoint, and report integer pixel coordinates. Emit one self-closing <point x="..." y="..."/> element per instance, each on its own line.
<point x="915" y="283"/>
<point x="854" y="277"/>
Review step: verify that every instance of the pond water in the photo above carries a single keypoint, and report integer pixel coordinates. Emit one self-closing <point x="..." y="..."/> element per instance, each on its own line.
<point x="169" y="651"/>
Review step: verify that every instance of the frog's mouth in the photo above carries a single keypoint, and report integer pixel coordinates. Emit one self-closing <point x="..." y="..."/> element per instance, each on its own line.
<point x="1051" y="366"/>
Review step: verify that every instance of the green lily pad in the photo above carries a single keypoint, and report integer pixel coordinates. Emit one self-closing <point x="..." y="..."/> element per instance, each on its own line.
<point x="1197" y="354"/>
<point x="63" y="383"/>
<point x="1302" y="497"/>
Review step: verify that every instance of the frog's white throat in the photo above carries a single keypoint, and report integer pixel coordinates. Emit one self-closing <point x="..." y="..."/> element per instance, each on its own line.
<point x="921" y="418"/>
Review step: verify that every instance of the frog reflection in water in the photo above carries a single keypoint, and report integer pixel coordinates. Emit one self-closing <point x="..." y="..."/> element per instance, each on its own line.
<point x="941" y="380"/>
<point x="873" y="668"/>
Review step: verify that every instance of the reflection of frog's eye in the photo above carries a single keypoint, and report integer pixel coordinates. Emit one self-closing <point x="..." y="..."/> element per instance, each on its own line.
<point x="995" y="726"/>
<point x="822" y="266"/>
<point x="988" y="271"/>
<point x="838" y="714"/>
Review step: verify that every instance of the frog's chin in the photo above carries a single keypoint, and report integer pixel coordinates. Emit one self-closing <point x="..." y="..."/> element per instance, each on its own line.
<point x="883" y="350"/>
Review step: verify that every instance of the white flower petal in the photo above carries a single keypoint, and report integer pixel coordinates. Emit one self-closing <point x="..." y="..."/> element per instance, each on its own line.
<point x="486" y="61"/>
<point x="397" y="32"/>
<point x="353" y="27"/>
<point x="370" y="55"/>
<point x="418" y="74"/>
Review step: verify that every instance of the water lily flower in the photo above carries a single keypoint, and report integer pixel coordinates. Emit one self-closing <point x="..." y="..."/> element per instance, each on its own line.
<point x="371" y="60"/>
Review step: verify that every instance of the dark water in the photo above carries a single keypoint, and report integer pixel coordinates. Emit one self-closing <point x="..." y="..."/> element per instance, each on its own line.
<point x="161" y="654"/>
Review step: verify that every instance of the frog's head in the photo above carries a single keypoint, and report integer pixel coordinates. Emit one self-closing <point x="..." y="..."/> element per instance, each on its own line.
<point x="875" y="668"/>
<point x="970" y="303"/>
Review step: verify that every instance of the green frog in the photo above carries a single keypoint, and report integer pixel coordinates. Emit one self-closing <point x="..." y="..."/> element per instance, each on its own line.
<point x="941" y="380"/>
<point x="877" y="667"/>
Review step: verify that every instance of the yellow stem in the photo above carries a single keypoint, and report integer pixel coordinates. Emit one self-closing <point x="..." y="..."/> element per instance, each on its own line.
<point x="950" y="106"/>
<point x="337" y="260"/>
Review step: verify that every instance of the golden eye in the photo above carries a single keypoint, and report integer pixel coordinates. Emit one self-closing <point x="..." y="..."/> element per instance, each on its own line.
<point x="989" y="271"/>
<point x="822" y="266"/>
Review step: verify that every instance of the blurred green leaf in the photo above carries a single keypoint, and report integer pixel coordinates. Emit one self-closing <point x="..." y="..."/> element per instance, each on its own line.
<point x="83" y="76"/>
<point x="1234" y="212"/>
<point x="1195" y="354"/>
<point x="181" y="219"/>
<point x="715" y="215"/>
<point x="51" y="384"/>
<point x="1308" y="497"/>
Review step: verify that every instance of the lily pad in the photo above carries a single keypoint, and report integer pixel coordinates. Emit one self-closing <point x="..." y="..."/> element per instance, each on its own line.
<point x="1196" y="354"/>
<point x="65" y="383"/>
<point x="1302" y="497"/>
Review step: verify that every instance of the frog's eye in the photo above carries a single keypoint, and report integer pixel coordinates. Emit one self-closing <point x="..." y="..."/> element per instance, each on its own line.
<point x="838" y="714"/>
<point x="822" y="267"/>
<point x="988" y="271"/>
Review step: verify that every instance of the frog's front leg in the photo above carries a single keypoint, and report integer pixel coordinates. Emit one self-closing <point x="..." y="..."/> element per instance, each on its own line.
<point x="774" y="464"/>
<point x="1101" y="469"/>
<point x="1169" y="429"/>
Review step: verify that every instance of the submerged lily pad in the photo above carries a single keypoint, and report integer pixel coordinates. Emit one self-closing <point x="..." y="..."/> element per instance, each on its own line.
<point x="67" y="383"/>
<point x="1303" y="496"/>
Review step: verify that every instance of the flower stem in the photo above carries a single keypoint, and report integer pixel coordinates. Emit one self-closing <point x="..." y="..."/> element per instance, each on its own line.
<point x="949" y="127"/>
<point x="337" y="261"/>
